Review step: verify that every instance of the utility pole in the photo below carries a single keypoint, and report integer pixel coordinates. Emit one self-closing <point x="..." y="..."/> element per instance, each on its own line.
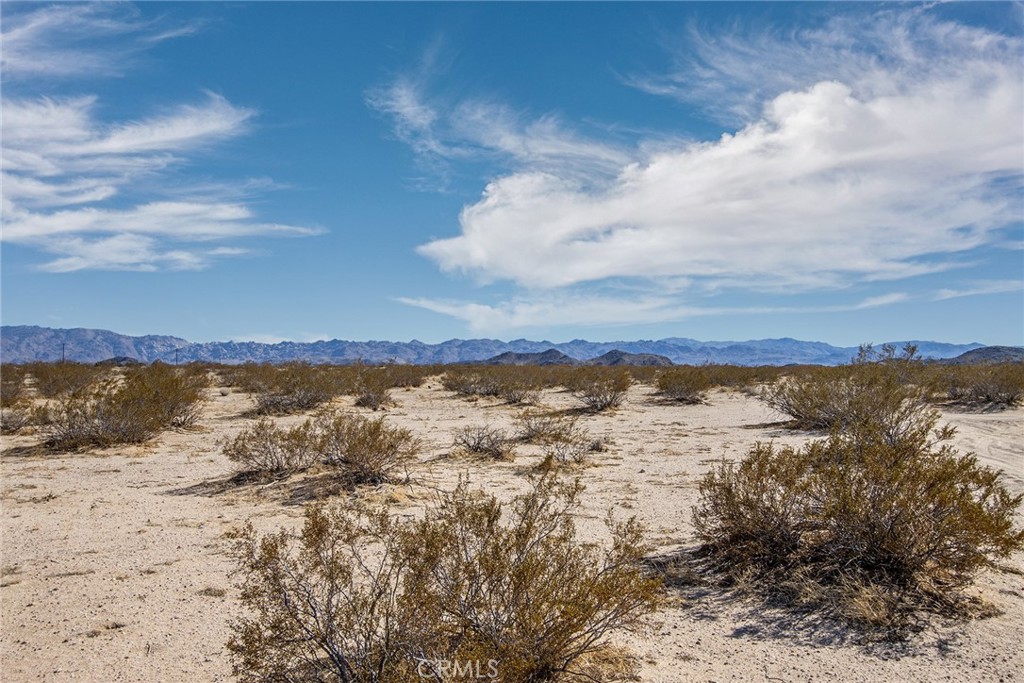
<point x="175" y="355"/>
<point x="62" y="352"/>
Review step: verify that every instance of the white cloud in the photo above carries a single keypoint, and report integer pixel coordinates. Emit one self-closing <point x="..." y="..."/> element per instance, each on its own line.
<point x="875" y="166"/>
<point x="75" y="186"/>
<point x="71" y="40"/>
<point x="561" y="308"/>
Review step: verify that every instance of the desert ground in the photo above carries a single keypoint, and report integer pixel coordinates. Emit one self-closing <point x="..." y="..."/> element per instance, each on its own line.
<point x="116" y="563"/>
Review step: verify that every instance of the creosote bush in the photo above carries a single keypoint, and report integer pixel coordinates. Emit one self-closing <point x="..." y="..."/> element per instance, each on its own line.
<point x="485" y="440"/>
<point x="294" y="388"/>
<point x="852" y="396"/>
<point x="600" y="388"/>
<point x="870" y="528"/>
<point x="984" y="385"/>
<point x="360" y="597"/>
<point x="362" y="450"/>
<point x="685" y="384"/>
<point x="266" y="448"/>
<point x="53" y="380"/>
<point x="147" y="401"/>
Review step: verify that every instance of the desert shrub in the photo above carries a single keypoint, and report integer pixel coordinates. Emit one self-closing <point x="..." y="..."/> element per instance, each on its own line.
<point x="266" y="448"/>
<point x="373" y="388"/>
<point x="851" y="396"/>
<point x="18" y="415"/>
<point x="867" y="528"/>
<point x="538" y="427"/>
<point x="514" y="384"/>
<point x="685" y="383"/>
<point x="296" y="388"/>
<point x="360" y="450"/>
<point x="365" y="451"/>
<point x="984" y="385"/>
<point x="601" y="388"/>
<point x="147" y="401"/>
<point x="486" y="441"/>
<point x="359" y="597"/>
<point x="53" y="380"/>
<point x="12" y="383"/>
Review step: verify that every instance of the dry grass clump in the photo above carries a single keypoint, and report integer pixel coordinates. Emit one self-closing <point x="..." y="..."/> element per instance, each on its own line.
<point x="485" y="440"/>
<point x="984" y="385"/>
<point x="870" y="529"/>
<point x="477" y="585"/>
<point x="685" y="384"/>
<point x="600" y="388"/>
<point x="361" y="450"/>
<point x="148" y="400"/>
<point x="53" y="380"/>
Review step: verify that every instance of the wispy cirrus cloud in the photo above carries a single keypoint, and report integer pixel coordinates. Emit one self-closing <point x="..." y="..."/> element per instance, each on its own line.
<point x="83" y="189"/>
<point x="442" y="132"/>
<point x="553" y="309"/>
<point x="890" y="147"/>
<point x="78" y="39"/>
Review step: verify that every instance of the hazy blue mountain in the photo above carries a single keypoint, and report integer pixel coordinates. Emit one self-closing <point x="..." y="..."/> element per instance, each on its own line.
<point x="20" y="344"/>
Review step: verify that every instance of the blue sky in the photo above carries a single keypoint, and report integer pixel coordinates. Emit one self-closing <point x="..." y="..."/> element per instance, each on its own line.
<point x="836" y="172"/>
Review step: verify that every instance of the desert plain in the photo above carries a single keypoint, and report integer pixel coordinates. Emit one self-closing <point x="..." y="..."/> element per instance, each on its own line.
<point x="116" y="563"/>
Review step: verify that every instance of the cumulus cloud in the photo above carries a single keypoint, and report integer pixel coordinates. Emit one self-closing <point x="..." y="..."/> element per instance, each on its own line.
<point x="865" y="164"/>
<point x="71" y="181"/>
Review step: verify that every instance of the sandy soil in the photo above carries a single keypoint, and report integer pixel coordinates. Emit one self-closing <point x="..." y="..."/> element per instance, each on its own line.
<point x="115" y="564"/>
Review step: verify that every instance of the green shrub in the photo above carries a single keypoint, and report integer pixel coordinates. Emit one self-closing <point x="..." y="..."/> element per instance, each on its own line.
<point x="359" y="597"/>
<point x="869" y="528"/>
<point x="685" y="383"/>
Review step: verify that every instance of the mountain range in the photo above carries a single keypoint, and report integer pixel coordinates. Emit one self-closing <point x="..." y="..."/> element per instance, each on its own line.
<point x="23" y="343"/>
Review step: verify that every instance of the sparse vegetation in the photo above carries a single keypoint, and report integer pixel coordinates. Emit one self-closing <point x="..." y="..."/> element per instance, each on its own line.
<point x="360" y="597"/>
